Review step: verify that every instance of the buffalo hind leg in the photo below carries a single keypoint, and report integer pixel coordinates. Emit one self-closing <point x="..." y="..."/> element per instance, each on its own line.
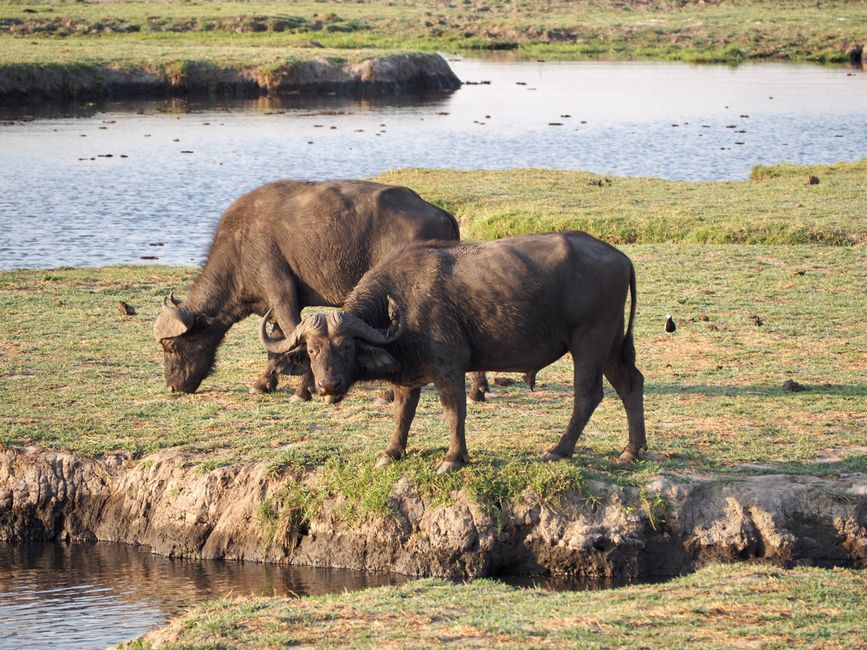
<point x="453" y="395"/>
<point x="628" y="381"/>
<point x="478" y="387"/>
<point x="588" y="394"/>
<point x="405" y="403"/>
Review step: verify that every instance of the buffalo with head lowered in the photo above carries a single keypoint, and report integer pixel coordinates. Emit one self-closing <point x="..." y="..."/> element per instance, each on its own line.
<point x="282" y="247"/>
<point x="435" y="311"/>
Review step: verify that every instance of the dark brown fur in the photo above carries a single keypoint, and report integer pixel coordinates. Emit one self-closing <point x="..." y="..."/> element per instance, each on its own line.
<point x="515" y="304"/>
<point x="289" y="245"/>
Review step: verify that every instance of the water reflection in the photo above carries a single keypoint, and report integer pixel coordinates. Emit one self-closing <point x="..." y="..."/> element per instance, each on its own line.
<point x="90" y="596"/>
<point x="332" y="104"/>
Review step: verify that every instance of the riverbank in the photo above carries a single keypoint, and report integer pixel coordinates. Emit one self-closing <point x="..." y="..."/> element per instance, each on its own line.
<point x="386" y="74"/>
<point x="726" y="31"/>
<point x="667" y="526"/>
<point x="717" y="607"/>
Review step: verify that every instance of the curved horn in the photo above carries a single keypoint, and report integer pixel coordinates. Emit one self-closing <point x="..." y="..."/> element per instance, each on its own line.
<point x="172" y="322"/>
<point x="281" y="346"/>
<point x="352" y="324"/>
<point x="175" y="301"/>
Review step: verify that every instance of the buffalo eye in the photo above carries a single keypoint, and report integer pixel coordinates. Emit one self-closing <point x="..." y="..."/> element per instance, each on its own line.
<point x="345" y="345"/>
<point x="313" y="352"/>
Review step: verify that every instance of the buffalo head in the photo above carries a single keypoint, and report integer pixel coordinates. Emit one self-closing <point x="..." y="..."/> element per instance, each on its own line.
<point x="188" y="345"/>
<point x="341" y="349"/>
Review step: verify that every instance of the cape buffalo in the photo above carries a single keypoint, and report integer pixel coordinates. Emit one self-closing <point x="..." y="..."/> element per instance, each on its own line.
<point x="434" y="311"/>
<point x="285" y="246"/>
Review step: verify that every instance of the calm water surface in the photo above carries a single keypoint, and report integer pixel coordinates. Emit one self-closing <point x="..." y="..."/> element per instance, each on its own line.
<point x="90" y="596"/>
<point x="93" y="595"/>
<point x="175" y="166"/>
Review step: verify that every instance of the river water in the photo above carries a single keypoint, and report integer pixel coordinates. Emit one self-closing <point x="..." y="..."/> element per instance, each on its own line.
<point x="94" y="595"/>
<point x="100" y="183"/>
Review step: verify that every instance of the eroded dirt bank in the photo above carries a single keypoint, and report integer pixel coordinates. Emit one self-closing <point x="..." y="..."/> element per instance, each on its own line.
<point x="390" y="74"/>
<point x="167" y="504"/>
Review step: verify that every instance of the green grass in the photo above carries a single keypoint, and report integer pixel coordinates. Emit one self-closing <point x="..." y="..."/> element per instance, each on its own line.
<point x="77" y="375"/>
<point x="716" y="607"/>
<point x="776" y="206"/>
<point x="728" y="31"/>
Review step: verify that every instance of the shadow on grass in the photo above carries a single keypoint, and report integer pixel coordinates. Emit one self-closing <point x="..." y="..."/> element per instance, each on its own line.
<point x="840" y="390"/>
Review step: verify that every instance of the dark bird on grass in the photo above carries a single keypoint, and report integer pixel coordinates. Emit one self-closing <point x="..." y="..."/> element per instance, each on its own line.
<point x="669" y="324"/>
<point x="125" y="309"/>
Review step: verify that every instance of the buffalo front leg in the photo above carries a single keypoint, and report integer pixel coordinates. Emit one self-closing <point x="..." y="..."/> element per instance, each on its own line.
<point x="267" y="381"/>
<point x="405" y="403"/>
<point x="453" y="395"/>
<point x="478" y="387"/>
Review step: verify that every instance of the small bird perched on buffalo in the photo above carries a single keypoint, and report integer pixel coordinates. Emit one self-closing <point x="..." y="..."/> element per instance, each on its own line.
<point x="669" y="324"/>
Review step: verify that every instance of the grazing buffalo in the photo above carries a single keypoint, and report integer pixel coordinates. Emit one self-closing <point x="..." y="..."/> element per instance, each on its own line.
<point x="285" y="246"/>
<point x="435" y="311"/>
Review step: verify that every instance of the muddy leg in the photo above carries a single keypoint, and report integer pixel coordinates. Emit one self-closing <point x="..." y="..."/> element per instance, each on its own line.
<point x="405" y="403"/>
<point x="478" y="387"/>
<point x="629" y="384"/>
<point x="453" y="395"/>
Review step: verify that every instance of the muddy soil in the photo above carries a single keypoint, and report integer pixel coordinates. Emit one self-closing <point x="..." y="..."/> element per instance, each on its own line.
<point x="671" y="525"/>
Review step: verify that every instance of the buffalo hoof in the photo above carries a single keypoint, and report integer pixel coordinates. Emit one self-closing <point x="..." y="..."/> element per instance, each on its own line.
<point x="385" y="459"/>
<point x="448" y="466"/>
<point x="303" y="396"/>
<point x="476" y="396"/>
<point x="384" y="398"/>
<point x="263" y="387"/>
<point x="629" y="456"/>
<point x="552" y="456"/>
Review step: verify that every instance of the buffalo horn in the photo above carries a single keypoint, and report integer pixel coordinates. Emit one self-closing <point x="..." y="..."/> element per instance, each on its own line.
<point x="173" y="321"/>
<point x="352" y="324"/>
<point x="281" y="346"/>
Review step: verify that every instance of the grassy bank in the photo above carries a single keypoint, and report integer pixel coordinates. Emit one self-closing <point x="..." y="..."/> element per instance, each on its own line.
<point x="260" y="33"/>
<point x="776" y="206"/>
<point x="77" y="375"/>
<point x="717" y="607"/>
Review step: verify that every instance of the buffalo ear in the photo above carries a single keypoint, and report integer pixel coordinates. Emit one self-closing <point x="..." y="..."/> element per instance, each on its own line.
<point x="376" y="360"/>
<point x="201" y="322"/>
<point x="293" y="363"/>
